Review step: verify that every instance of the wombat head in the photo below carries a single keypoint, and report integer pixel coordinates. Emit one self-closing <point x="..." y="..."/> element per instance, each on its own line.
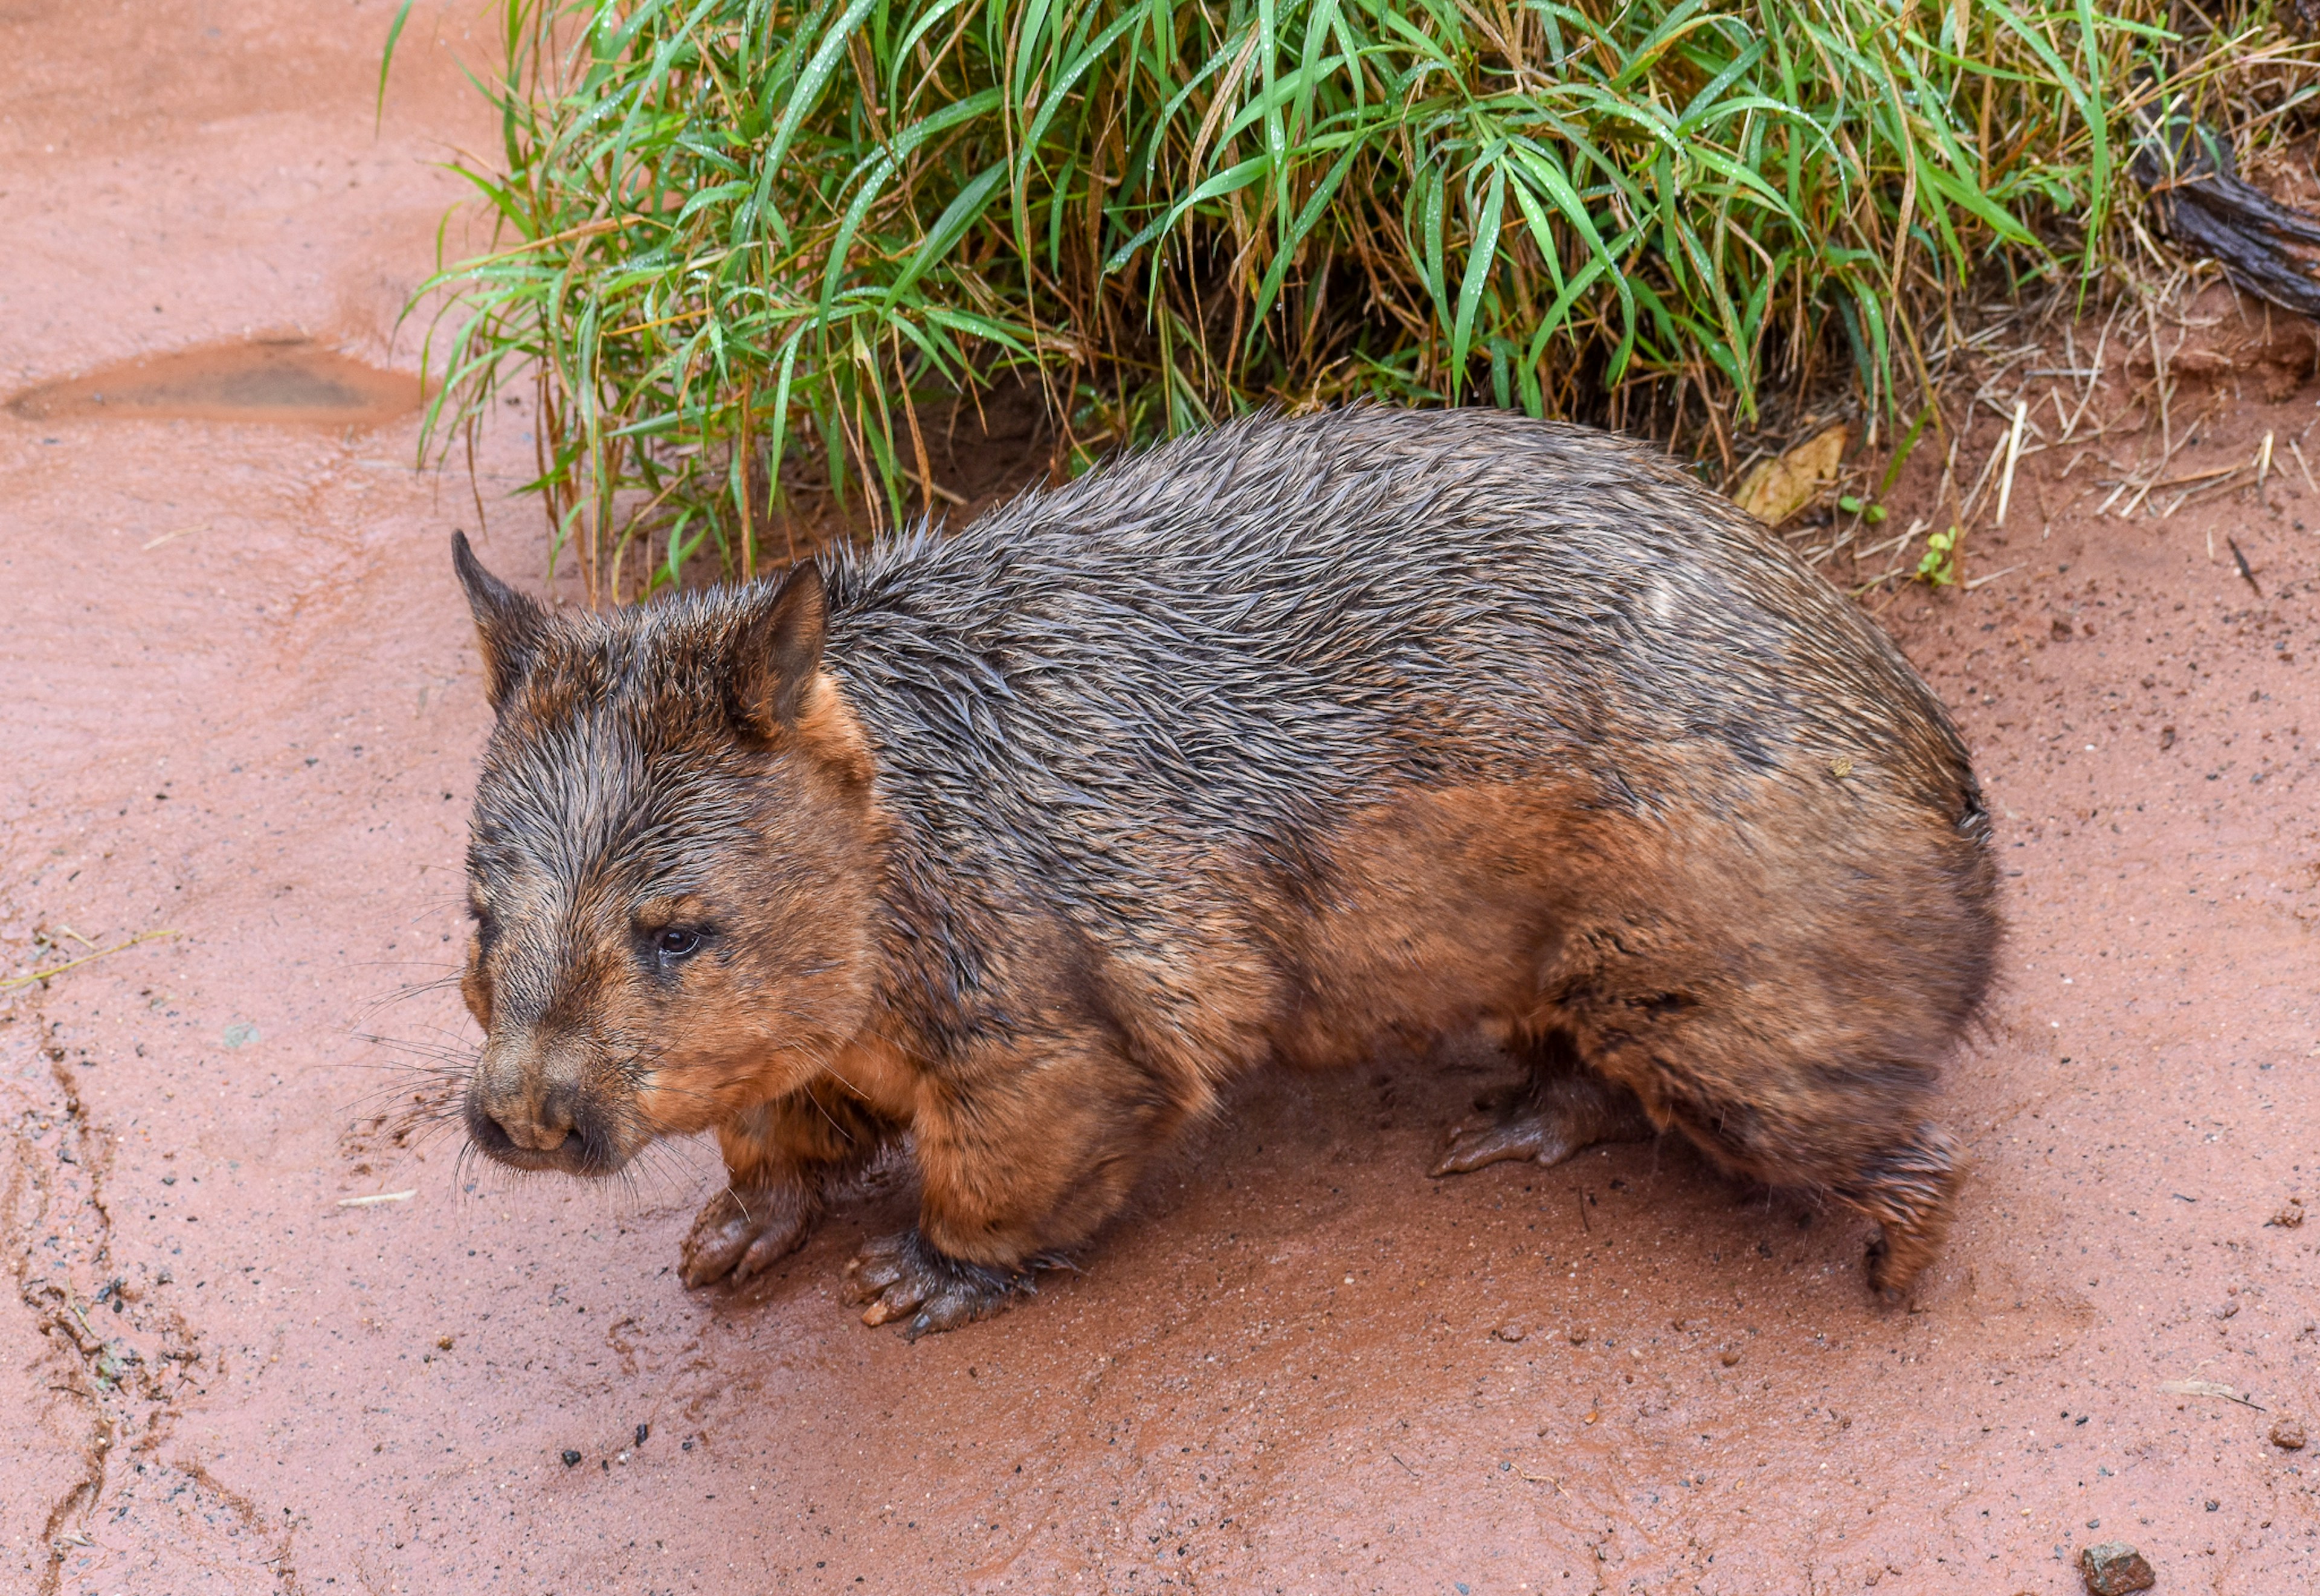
<point x="670" y="867"/>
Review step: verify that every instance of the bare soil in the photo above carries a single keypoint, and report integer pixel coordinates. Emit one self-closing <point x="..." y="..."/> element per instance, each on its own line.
<point x="243" y="709"/>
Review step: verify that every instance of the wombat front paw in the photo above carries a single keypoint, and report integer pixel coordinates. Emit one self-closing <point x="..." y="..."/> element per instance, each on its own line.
<point x="1543" y="1138"/>
<point x="1546" y="1122"/>
<point x="896" y="1274"/>
<point x="740" y="1237"/>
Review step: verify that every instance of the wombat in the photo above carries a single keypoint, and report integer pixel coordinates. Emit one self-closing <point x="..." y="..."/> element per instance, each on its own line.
<point x="1288" y="742"/>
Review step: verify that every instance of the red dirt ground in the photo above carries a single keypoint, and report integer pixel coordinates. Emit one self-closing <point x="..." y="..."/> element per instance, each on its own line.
<point x="243" y="707"/>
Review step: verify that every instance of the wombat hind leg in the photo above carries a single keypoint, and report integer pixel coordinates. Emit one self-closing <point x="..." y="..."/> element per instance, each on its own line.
<point x="1908" y="1191"/>
<point x="1559" y="1108"/>
<point x="739" y="1235"/>
<point x="895" y="1274"/>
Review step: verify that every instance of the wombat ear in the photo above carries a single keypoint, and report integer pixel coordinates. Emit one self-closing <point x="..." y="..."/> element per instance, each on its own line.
<point x="775" y="658"/>
<point x="507" y="623"/>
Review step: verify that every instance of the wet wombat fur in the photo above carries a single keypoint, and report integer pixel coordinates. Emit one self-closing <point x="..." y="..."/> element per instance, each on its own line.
<point x="1287" y="742"/>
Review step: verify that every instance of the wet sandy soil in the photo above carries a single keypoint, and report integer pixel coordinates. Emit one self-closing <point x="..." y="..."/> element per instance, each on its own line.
<point x="243" y="708"/>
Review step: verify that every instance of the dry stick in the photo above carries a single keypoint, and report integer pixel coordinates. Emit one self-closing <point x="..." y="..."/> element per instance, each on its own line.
<point x="2209" y="1388"/>
<point x="1895" y="569"/>
<point x="2194" y="495"/>
<point x="931" y="486"/>
<point x="2262" y="462"/>
<point x="2094" y="381"/>
<point x="2012" y="453"/>
<point x="1993" y="576"/>
<point x="2135" y="503"/>
<point x="2060" y="415"/>
<point x="2159" y="366"/>
<point x="1982" y="483"/>
<point x="2218" y="477"/>
<point x="2241" y="560"/>
<point x="16" y="981"/>
<point x="1916" y="526"/>
<point x="2300" y="465"/>
<point x="1949" y="470"/>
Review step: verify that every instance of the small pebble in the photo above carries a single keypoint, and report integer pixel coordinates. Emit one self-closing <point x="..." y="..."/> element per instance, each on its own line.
<point x="1729" y="1359"/>
<point x="571" y="1458"/>
<point x="643" y="1431"/>
<point x="2287" y="1436"/>
<point x="2114" y="1568"/>
<point x="2227" y="1310"/>
<point x="1578" y="1334"/>
<point x="1512" y="1330"/>
<point x="442" y="1343"/>
<point x="2291" y="1214"/>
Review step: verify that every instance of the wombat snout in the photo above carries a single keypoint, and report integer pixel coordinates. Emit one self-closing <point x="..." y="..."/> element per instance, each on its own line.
<point x="533" y="1108"/>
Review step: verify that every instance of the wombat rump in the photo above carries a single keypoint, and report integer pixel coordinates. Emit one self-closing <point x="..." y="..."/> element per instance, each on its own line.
<point x="1290" y="742"/>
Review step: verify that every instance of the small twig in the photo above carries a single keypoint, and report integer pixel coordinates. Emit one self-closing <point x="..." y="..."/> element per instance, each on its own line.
<point x="927" y="484"/>
<point x="2263" y="461"/>
<point x="1993" y="576"/>
<point x="1412" y="1473"/>
<point x="2012" y="453"/>
<point x="1916" y="526"/>
<point x="2239" y="561"/>
<point x="375" y="1199"/>
<point x="2226" y="484"/>
<point x="1982" y="483"/>
<point x="2095" y="381"/>
<point x="1581" y="1198"/>
<point x="2301" y="466"/>
<point x="2159" y="366"/>
<point x="16" y="981"/>
<point x="2209" y="1388"/>
<point x="2197" y="475"/>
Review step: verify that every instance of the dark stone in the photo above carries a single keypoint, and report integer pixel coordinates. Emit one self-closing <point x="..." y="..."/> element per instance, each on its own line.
<point x="571" y="1458"/>
<point x="2115" y="1568"/>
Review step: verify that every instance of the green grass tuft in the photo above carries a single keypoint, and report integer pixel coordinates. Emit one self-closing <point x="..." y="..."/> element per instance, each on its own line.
<point x="736" y="234"/>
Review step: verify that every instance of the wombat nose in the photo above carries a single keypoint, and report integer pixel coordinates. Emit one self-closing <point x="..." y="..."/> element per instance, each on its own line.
<point x="543" y="1131"/>
<point x="514" y="1117"/>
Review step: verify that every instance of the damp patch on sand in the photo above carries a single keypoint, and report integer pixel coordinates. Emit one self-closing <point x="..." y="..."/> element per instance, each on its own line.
<point x="287" y="381"/>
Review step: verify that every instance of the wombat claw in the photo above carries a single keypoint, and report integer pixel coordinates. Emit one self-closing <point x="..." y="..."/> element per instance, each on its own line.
<point x="736" y="1236"/>
<point x="1546" y="1122"/>
<point x="1546" y="1138"/>
<point x="895" y="1274"/>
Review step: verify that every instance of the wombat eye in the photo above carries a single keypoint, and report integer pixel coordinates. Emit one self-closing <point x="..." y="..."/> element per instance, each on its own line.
<point x="676" y="941"/>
